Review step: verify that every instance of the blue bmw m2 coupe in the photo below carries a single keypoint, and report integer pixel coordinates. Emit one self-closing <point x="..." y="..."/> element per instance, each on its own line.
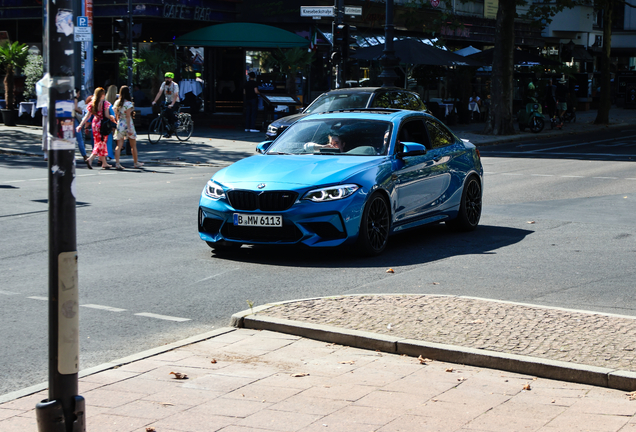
<point x="345" y="178"/>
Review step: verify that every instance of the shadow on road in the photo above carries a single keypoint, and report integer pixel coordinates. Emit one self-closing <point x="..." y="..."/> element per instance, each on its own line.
<point x="419" y="246"/>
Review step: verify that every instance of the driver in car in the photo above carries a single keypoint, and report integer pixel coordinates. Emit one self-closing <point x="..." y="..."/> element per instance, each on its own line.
<point x="335" y="142"/>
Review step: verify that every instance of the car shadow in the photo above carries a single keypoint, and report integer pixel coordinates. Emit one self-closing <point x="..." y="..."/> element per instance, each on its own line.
<point x="418" y="246"/>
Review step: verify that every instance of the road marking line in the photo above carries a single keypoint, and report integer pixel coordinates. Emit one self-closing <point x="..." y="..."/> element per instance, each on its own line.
<point x="163" y="317"/>
<point x="570" y="176"/>
<point x="39" y="298"/>
<point x="606" y="178"/>
<point x="542" y="175"/>
<point x="8" y="292"/>
<point x="107" y="308"/>
<point x="213" y="276"/>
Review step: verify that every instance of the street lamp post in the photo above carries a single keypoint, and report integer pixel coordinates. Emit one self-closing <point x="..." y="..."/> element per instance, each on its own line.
<point x="389" y="61"/>
<point x="63" y="411"/>
<point x="130" y="46"/>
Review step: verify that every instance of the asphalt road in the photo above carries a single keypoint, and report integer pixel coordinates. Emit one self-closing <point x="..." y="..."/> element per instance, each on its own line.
<point x="557" y="230"/>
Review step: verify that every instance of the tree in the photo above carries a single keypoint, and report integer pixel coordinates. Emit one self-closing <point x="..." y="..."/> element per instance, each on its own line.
<point x="12" y="56"/>
<point x="605" y="102"/>
<point x="289" y="62"/>
<point x="500" y="120"/>
<point x="33" y="72"/>
<point x="155" y="62"/>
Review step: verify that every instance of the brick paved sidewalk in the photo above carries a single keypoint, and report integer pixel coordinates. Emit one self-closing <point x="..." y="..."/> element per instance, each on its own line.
<point x="592" y="339"/>
<point x="245" y="380"/>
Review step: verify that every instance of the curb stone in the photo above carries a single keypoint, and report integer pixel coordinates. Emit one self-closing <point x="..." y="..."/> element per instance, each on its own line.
<point x="540" y="367"/>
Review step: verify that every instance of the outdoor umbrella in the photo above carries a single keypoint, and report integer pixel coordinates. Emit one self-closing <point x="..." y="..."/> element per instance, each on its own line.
<point x="414" y="52"/>
<point x="520" y="58"/>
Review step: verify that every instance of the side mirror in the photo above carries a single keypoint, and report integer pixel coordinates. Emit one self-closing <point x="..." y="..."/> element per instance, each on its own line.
<point x="411" y="149"/>
<point x="262" y="147"/>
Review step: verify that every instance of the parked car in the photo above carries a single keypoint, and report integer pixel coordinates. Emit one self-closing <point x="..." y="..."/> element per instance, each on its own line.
<point x="348" y="98"/>
<point x="392" y="170"/>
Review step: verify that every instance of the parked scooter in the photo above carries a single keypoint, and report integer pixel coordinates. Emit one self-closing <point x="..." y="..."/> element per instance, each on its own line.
<point x="532" y="117"/>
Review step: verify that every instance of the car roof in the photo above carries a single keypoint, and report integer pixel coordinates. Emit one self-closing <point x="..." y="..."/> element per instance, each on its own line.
<point x="383" y="114"/>
<point x="367" y="90"/>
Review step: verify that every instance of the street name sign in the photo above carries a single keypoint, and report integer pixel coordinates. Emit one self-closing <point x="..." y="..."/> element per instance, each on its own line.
<point x="353" y="10"/>
<point x="316" y="11"/>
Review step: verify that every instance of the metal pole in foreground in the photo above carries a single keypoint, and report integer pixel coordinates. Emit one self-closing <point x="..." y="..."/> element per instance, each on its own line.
<point x="63" y="411"/>
<point x="129" y="36"/>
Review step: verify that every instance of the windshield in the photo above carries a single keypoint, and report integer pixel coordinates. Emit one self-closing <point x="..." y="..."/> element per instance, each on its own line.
<point x="351" y="137"/>
<point x="338" y="101"/>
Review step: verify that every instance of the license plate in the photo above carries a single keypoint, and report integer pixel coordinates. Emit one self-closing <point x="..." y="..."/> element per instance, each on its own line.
<point x="258" y="220"/>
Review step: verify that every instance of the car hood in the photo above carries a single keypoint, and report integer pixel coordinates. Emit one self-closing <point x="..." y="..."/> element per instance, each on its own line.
<point x="295" y="171"/>
<point x="287" y="120"/>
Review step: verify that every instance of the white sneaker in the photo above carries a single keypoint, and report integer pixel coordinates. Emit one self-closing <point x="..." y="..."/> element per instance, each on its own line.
<point x="254" y="130"/>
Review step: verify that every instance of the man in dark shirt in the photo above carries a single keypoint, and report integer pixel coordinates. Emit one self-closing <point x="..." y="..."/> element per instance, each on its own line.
<point x="251" y="103"/>
<point x="550" y="98"/>
<point x="561" y="99"/>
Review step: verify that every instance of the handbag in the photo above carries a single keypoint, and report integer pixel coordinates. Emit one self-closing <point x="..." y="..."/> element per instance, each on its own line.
<point x="106" y="126"/>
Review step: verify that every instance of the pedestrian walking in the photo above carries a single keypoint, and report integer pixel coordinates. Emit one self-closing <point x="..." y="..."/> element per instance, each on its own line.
<point x="125" y="127"/>
<point x="251" y="103"/>
<point x="98" y="108"/>
<point x="111" y="97"/>
<point x="78" y="108"/>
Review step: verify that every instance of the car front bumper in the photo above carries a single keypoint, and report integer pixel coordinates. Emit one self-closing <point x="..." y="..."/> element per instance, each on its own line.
<point x="325" y="224"/>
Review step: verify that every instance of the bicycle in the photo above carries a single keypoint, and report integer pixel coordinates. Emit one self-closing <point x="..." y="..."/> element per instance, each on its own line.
<point x="159" y="126"/>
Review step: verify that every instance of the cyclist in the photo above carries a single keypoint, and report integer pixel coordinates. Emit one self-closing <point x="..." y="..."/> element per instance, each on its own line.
<point x="171" y="92"/>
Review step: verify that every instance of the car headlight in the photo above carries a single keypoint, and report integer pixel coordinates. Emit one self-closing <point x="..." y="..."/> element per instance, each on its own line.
<point x="214" y="190"/>
<point x="331" y="193"/>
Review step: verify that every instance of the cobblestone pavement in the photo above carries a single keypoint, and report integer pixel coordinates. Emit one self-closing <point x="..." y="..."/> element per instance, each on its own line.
<point x="592" y="339"/>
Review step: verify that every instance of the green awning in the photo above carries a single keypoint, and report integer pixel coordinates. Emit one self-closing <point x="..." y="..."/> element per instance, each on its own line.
<point x="247" y="35"/>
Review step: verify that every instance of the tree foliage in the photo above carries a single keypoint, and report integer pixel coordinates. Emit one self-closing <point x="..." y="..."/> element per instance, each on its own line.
<point x="288" y="62"/>
<point x="153" y="63"/>
<point x="12" y="56"/>
<point x="33" y="72"/>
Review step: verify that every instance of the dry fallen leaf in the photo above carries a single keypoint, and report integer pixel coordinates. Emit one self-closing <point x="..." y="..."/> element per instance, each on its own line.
<point x="424" y="360"/>
<point x="299" y="375"/>
<point x="179" y="375"/>
<point x="553" y="401"/>
<point x="461" y="379"/>
<point x="166" y="404"/>
<point x="347" y="362"/>
<point x="434" y="283"/>
<point x="449" y="369"/>
<point x="150" y="429"/>
<point x="527" y="386"/>
<point x="632" y="395"/>
<point x="213" y="361"/>
<point x="530" y="222"/>
<point x="433" y="400"/>
<point x="390" y="271"/>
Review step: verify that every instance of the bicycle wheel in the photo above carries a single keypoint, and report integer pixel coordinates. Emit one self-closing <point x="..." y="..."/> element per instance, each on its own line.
<point x="156" y="130"/>
<point x="186" y="126"/>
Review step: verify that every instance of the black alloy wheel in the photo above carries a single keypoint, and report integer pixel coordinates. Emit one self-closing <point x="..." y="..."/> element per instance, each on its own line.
<point x="374" y="226"/>
<point x="470" y="208"/>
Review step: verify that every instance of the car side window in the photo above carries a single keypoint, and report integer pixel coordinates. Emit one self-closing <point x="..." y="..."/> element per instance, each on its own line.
<point x="381" y="100"/>
<point x="412" y="131"/>
<point x="404" y="100"/>
<point x="440" y="136"/>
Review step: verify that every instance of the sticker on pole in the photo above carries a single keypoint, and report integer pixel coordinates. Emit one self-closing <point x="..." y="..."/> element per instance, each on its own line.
<point x="68" y="314"/>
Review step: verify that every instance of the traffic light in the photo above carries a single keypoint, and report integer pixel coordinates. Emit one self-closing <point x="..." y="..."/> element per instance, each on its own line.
<point x="338" y="37"/>
<point x="120" y="32"/>
<point x="348" y="40"/>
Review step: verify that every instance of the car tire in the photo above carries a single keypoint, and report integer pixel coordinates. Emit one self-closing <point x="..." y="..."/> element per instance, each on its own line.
<point x="224" y="246"/>
<point x="374" y="226"/>
<point x="470" y="207"/>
